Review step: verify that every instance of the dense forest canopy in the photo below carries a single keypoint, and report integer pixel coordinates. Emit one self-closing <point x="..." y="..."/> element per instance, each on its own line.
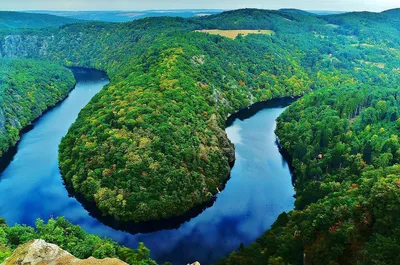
<point x="152" y="145"/>
<point x="27" y="88"/>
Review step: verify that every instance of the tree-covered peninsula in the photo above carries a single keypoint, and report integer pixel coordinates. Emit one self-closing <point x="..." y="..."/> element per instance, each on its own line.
<point x="152" y="145"/>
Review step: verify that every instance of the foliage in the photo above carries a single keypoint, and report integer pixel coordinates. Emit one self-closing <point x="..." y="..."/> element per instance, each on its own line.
<point x="71" y="238"/>
<point x="27" y="88"/>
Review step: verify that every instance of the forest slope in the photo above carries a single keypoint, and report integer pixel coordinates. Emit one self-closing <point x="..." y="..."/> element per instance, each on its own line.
<point x="27" y="88"/>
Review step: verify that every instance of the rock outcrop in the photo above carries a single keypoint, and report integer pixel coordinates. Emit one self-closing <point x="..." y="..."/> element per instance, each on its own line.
<point x="38" y="252"/>
<point x="20" y="46"/>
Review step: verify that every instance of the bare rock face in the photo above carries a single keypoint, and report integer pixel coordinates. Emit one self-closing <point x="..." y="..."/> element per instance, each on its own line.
<point x="38" y="252"/>
<point x="20" y="46"/>
<point x="2" y="120"/>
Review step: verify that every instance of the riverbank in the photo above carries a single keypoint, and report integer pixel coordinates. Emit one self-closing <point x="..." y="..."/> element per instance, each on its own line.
<point x="28" y="98"/>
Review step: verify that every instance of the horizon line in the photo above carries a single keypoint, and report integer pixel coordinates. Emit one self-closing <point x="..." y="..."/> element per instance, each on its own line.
<point x="185" y="9"/>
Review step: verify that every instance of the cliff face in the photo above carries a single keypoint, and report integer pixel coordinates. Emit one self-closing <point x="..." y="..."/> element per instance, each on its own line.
<point x="19" y="46"/>
<point x="38" y="252"/>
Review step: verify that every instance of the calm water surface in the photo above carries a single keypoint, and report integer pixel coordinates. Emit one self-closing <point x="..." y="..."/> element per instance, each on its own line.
<point x="259" y="189"/>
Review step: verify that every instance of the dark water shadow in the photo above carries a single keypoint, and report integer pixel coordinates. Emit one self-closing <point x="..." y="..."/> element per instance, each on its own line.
<point x="7" y="157"/>
<point x="141" y="227"/>
<point x="287" y="158"/>
<point x="256" y="107"/>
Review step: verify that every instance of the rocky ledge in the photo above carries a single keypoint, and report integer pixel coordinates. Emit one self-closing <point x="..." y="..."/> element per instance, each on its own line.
<point x="38" y="252"/>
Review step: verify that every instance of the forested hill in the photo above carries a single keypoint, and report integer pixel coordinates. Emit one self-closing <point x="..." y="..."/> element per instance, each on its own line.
<point x="151" y="144"/>
<point x="18" y="20"/>
<point x="394" y="13"/>
<point x="297" y="11"/>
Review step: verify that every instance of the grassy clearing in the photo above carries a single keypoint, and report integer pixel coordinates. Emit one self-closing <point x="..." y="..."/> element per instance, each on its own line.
<point x="234" y="33"/>
<point x="365" y="45"/>
<point x="379" y="65"/>
<point x="332" y="25"/>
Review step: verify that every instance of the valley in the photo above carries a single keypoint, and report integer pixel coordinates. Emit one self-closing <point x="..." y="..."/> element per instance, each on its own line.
<point x="151" y="145"/>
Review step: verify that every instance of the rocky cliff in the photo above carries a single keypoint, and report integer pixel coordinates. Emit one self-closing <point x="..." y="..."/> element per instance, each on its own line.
<point x="38" y="252"/>
<point x="22" y="46"/>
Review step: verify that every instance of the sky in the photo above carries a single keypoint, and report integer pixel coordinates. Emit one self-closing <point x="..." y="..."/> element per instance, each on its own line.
<point x="334" y="5"/>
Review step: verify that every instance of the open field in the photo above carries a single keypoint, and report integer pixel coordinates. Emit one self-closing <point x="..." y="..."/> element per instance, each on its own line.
<point x="234" y="33"/>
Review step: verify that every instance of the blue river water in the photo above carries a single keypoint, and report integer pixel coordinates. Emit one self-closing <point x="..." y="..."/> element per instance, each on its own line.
<point x="260" y="187"/>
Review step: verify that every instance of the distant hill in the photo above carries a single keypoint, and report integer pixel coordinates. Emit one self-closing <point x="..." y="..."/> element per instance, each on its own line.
<point x="395" y="13"/>
<point x="257" y="19"/>
<point x="125" y="16"/>
<point x="17" y="20"/>
<point x="325" y="12"/>
<point x="296" y="11"/>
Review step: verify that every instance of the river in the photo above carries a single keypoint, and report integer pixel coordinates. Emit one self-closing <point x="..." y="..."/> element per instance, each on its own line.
<point x="260" y="187"/>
